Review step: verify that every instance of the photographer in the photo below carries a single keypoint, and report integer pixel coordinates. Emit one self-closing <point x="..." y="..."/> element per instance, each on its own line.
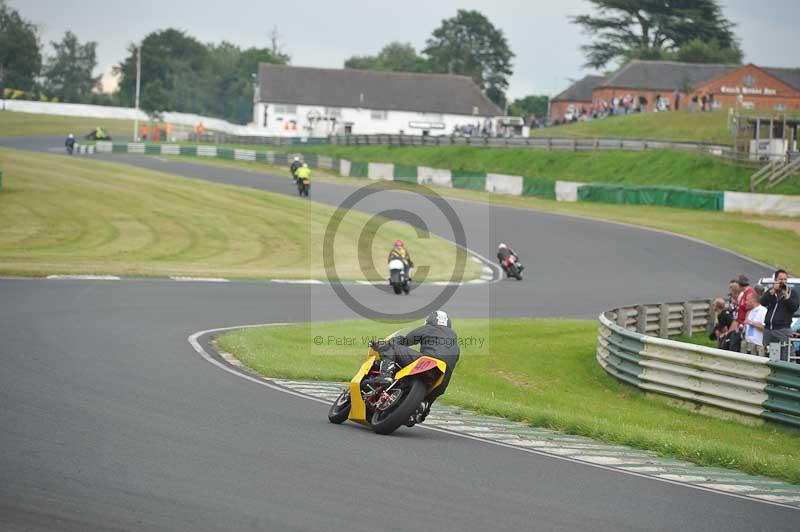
<point x="781" y="302"/>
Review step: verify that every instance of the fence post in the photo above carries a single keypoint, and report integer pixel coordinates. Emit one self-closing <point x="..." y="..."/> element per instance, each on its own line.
<point x="712" y="317"/>
<point x="548" y="144"/>
<point x="641" y="319"/>
<point x="663" y="321"/>
<point x="574" y="144"/>
<point x="622" y="317"/>
<point x="688" y="318"/>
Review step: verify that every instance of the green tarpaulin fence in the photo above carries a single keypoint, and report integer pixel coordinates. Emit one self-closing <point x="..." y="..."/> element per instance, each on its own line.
<point x="405" y="172"/>
<point x="188" y="150"/>
<point x="541" y="188"/>
<point x="359" y="169"/>
<point x="468" y="179"/>
<point x="685" y="198"/>
<point x="152" y="149"/>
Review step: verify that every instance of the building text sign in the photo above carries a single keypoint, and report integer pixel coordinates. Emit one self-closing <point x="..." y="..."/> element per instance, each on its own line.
<point x="758" y="91"/>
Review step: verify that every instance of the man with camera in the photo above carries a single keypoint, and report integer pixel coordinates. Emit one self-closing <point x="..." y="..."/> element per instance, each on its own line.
<point x="781" y="302"/>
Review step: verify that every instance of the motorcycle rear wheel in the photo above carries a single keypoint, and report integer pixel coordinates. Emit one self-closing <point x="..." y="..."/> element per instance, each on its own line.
<point x="386" y="422"/>
<point x="340" y="409"/>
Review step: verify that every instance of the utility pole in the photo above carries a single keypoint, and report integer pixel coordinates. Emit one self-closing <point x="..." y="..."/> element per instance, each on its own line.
<point x="138" y="88"/>
<point x="3" y="85"/>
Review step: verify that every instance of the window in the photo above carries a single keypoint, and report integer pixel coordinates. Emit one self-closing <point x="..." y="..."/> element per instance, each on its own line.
<point x="779" y="107"/>
<point x="379" y="115"/>
<point x="749" y="81"/>
<point x="333" y="112"/>
<point x="285" y="109"/>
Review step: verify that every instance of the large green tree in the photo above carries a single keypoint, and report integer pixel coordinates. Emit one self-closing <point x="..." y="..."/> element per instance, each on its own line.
<point x="470" y="45"/>
<point x="178" y="62"/>
<point x="395" y="56"/>
<point x="20" y="56"/>
<point x="179" y="73"/>
<point x="69" y="74"/>
<point x="623" y="29"/>
<point x="532" y="104"/>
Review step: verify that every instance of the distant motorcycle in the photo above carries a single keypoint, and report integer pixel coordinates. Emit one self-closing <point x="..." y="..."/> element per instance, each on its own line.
<point x="513" y="267"/>
<point x="303" y="186"/>
<point x="398" y="279"/>
<point x="92" y="135"/>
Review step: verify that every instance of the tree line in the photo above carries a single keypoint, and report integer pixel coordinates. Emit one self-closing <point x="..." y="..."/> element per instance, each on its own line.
<point x="181" y="73"/>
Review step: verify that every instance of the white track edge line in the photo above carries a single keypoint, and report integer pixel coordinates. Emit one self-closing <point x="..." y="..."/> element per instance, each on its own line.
<point x="195" y="343"/>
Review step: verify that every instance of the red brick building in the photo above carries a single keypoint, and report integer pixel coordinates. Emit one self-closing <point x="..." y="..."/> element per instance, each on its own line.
<point x="575" y="98"/>
<point x="748" y="86"/>
<point x="754" y="87"/>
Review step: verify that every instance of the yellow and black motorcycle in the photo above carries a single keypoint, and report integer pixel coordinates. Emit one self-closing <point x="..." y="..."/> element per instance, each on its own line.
<point x="385" y="407"/>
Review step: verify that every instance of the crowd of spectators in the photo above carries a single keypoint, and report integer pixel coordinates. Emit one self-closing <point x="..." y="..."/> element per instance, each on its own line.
<point x="630" y="104"/>
<point x="753" y="317"/>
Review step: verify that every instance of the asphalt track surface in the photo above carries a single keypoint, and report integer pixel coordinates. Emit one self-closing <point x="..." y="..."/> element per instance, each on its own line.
<point x="109" y="420"/>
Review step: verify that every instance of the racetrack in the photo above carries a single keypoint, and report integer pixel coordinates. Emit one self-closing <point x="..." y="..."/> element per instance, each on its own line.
<point x="111" y="421"/>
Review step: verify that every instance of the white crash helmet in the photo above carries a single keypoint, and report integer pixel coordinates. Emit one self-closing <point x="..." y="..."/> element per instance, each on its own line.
<point x="439" y="318"/>
<point x="297" y="159"/>
<point x="502" y="246"/>
<point x="305" y="165"/>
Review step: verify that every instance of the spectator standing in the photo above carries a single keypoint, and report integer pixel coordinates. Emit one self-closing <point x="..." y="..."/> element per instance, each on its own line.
<point x="200" y="129"/>
<point x="733" y="339"/>
<point x="745" y="290"/>
<point x="753" y="343"/>
<point x="143" y="131"/>
<point x="703" y="101"/>
<point x="693" y="104"/>
<point x="781" y="302"/>
<point x="711" y="101"/>
<point x="677" y="99"/>
<point x="724" y="320"/>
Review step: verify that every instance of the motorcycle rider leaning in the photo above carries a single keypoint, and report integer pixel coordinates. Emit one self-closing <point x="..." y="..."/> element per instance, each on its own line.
<point x="400" y="252"/>
<point x="294" y="166"/>
<point x="503" y="252"/>
<point x="436" y="339"/>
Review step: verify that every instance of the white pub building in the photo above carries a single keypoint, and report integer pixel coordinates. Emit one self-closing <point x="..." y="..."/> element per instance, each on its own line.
<point x="317" y="102"/>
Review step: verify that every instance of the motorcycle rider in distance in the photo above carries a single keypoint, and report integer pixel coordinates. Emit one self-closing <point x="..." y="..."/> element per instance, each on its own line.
<point x="301" y="175"/>
<point x="70" y="143"/>
<point x="400" y="252"/>
<point x="294" y="167"/>
<point x="503" y="252"/>
<point x="436" y="339"/>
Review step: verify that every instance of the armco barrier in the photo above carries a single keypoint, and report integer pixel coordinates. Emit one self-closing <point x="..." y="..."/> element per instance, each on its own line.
<point x="749" y="385"/>
<point x="495" y="183"/>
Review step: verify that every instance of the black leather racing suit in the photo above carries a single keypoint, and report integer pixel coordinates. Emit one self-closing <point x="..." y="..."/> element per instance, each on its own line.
<point x="434" y="340"/>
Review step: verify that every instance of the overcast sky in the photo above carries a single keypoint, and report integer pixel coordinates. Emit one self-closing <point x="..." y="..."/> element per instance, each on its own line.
<point x="324" y="33"/>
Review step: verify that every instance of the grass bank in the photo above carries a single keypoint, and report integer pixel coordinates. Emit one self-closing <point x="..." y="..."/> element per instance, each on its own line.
<point x="542" y="372"/>
<point x="769" y="239"/>
<point x="652" y="168"/>
<point x="696" y="127"/>
<point x="13" y="124"/>
<point x="76" y="216"/>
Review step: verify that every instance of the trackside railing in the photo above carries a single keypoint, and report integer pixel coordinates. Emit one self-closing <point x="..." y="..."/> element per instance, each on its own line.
<point x="633" y="347"/>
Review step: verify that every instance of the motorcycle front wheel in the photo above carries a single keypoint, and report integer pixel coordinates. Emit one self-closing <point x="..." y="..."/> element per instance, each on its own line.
<point x="389" y="420"/>
<point x="340" y="408"/>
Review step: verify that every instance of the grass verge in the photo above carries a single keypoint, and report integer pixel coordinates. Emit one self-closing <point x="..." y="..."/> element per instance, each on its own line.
<point x="542" y="372"/>
<point x="75" y="216"/>
<point x="696" y="127"/>
<point x="13" y="124"/>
